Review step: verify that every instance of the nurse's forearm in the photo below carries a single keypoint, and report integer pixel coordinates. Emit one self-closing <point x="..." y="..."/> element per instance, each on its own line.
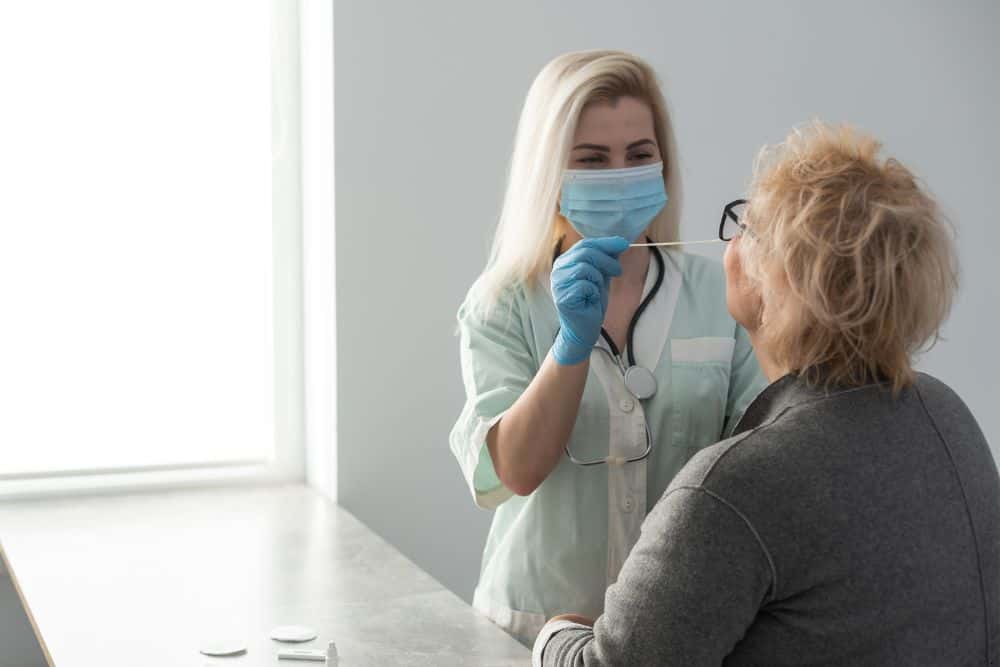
<point x="528" y="442"/>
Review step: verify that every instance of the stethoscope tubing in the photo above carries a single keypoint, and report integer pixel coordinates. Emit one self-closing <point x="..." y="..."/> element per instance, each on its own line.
<point x="614" y="460"/>
<point x="616" y="357"/>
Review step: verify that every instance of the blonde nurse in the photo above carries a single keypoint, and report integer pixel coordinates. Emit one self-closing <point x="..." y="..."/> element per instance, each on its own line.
<point x="593" y="369"/>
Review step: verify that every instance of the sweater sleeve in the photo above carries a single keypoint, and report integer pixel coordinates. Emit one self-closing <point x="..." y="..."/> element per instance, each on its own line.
<point x="687" y="593"/>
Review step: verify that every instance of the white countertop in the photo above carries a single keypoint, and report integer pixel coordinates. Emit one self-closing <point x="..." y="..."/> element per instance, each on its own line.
<point x="148" y="579"/>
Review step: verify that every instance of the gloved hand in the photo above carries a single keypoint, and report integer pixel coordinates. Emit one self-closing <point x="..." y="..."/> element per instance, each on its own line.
<point x="581" y="278"/>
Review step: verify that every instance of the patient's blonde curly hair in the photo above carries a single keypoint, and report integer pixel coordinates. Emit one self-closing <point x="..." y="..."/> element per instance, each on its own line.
<point x="855" y="259"/>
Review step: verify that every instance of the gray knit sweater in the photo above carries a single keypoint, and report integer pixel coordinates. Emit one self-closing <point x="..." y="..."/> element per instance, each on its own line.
<point x="836" y="528"/>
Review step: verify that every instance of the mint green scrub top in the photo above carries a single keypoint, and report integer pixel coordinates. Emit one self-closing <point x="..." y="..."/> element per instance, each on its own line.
<point x="558" y="549"/>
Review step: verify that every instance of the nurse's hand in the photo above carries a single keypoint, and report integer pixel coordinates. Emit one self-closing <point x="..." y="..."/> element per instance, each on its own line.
<point x="574" y="618"/>
<point x="581" y="277"/>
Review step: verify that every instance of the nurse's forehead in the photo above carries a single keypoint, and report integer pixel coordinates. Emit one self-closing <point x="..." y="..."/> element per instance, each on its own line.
<point x="626" y="120"/>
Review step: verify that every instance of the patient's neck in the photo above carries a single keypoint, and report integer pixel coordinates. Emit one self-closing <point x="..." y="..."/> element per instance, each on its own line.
<point x="765" y="357"/>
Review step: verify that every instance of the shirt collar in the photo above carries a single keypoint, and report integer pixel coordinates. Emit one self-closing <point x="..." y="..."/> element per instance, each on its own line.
<point x="788" y="392"/>
<point x="782" y="394"/>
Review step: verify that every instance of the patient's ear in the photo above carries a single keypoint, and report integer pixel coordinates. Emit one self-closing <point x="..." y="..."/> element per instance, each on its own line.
<point x="743" y="296"/>
<point x="773" y="294"/>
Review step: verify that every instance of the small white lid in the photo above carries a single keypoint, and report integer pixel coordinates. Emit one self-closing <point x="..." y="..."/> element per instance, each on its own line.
<point x="293" y="633"/>
<point x="224" y="648"/>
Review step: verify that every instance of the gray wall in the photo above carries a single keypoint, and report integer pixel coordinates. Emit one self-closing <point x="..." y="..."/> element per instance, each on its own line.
<point x="427" y="97"/>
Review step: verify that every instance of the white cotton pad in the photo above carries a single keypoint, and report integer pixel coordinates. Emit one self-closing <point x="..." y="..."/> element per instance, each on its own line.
<point x="224" y="648"/>
<point x="293" y="633"/>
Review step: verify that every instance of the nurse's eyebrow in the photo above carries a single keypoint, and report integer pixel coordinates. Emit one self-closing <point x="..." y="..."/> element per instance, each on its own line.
<point x="641" y="142"/>
<point x="605" y="149"/>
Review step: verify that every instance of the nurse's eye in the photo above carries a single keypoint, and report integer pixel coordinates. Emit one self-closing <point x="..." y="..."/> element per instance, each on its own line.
<point x="638" y="157"/>
<point x="591" y="160"/>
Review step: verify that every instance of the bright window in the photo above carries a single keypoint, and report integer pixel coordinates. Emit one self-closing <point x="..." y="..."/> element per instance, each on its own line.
<point x="136" y="275"/>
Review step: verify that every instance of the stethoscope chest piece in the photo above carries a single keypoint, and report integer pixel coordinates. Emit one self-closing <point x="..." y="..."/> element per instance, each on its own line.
<point x="640" y="382"/>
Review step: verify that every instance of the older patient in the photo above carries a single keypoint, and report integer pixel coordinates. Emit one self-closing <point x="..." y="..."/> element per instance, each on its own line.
<point x="854" y="519"/>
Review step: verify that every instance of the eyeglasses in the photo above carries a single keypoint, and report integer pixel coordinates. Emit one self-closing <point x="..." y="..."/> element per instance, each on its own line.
<point x="730" y="227"/>
<point x="732" y="224"/>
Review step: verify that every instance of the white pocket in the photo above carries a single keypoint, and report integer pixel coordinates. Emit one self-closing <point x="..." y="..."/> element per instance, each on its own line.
<point x="700" y="369"/>
<point x="702" y="350"/>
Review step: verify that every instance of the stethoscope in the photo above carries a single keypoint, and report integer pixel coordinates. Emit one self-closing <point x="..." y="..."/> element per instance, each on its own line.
<point x="639" y="380"/>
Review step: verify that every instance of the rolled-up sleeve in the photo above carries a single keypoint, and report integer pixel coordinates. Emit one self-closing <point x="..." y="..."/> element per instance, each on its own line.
<point x="687" y="594"/>
<point x="497" y="366"/>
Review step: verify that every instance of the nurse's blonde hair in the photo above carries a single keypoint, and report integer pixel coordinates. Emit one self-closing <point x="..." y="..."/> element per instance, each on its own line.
<point x="530" y="224"/>
<point x="855" y="259"/>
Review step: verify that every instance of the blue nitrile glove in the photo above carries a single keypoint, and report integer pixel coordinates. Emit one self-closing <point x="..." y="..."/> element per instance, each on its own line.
<point x="581" y="278"/>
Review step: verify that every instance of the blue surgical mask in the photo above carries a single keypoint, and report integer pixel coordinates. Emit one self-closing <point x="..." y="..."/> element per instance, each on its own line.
<point x="613" y="202"/>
